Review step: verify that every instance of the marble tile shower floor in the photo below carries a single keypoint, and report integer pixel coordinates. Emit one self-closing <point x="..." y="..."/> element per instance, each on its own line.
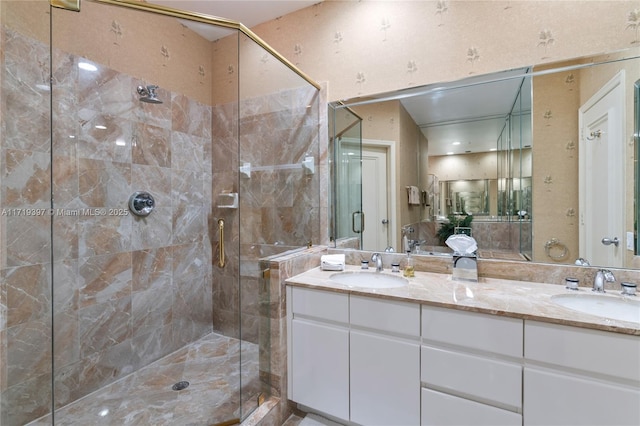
<point x="212" y="367"/>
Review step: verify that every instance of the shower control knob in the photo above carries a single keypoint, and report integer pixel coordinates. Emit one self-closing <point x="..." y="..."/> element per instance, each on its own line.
<point x="141" y="203"/>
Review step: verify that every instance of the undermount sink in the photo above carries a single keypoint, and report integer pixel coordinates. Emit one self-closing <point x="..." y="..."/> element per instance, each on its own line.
<point x="369" y="279"/>
<point x="618" y="308"/>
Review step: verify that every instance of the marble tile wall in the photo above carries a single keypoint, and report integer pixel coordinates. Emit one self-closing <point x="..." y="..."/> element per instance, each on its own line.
<point x="25" y="246"/>
<point x="280" y="205"/>
<point x="282" y="268"/>
<point x="489" y="235"/>
<point x="126" y="290"/>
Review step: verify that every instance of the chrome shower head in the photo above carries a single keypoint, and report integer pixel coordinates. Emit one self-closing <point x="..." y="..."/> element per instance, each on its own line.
<point x="148" y="94"/>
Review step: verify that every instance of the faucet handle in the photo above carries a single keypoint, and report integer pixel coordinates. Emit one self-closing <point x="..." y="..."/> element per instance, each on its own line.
<point x="407" y="229"/>
<point x="608" y="276"/>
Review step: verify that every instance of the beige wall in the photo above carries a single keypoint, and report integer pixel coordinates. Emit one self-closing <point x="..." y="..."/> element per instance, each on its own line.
<point x="408" y="168"/>
<point x="153" y="48"/>
<point x="370" y="47"/>
<point x="380" y="120"/>
<point x="481" y="165"/>
<point x="555" y="162"/>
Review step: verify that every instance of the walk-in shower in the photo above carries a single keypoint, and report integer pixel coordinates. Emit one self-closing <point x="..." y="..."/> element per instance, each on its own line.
<point x="148" y="94"/>
<point x="102" y="311"/>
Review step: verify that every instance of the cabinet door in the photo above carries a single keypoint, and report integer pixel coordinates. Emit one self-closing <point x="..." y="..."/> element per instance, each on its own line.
<point x="556" y="399"/>
<point x="439" y="409"/>
<point x="320" y="367"/>
<point x="385" y="380"/>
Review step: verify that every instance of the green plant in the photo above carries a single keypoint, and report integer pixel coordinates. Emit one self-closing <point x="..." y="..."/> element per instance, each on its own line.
<point x="454" y="221"/>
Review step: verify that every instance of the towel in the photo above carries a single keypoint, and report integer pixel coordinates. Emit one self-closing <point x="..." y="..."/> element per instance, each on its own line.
<point x="414" y="195"/>
<point x="332" y="262"/>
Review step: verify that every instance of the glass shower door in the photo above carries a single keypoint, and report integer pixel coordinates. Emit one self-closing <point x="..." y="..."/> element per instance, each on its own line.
<point x="278" y="179"/>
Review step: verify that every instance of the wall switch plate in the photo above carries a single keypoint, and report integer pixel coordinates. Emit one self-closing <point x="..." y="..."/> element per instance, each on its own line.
<point x="630" y="241"/>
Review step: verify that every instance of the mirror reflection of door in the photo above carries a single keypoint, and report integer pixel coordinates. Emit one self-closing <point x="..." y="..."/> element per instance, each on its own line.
<point x="375" y="236"/>
<point x="601" y="177"/>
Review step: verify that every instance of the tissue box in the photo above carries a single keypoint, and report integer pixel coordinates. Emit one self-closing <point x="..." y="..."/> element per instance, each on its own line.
<point x="465" y="267"/>
<point x="332" y="262"/>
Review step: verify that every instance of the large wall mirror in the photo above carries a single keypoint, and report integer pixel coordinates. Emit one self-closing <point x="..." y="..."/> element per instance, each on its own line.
<point x="542" y="158"/>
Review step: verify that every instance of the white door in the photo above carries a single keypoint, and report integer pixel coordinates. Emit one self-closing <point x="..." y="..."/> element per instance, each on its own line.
<point x="601" y="177"/>
<point x="374" y="198"/>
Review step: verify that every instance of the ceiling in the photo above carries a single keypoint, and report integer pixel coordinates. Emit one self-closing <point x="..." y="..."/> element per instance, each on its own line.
<point x="464" y="116"/>
<point x="470" y="118"/>
<point x="248" y="12"/>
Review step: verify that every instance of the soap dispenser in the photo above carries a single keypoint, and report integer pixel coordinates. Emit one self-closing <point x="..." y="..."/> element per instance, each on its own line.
<point x="409" y="270"/>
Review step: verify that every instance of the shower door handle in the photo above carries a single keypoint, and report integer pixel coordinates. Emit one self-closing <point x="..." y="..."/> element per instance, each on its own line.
<point x="221" y="259"/>
<point x="353" y="222"/>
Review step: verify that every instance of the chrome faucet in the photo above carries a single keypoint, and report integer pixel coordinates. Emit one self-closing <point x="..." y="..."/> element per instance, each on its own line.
<point x="377" y="258"/>
<point x="602" y="276"/>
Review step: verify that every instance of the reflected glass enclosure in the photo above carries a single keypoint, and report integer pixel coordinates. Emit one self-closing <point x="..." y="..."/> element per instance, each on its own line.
<point x="110" y="317"/>
<point x="348" y="221"/>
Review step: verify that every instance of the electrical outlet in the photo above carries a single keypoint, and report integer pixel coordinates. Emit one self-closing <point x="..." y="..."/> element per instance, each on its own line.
<point x="630" y="241"/>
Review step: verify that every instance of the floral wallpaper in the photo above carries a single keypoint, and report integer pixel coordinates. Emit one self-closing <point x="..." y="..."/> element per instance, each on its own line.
<point x="365" y="47"/>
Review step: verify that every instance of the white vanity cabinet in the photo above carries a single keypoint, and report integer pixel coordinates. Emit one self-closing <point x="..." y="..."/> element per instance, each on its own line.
<point x="471" y="368"/>
<point x="580" y="377"/>
<point x="318" y="339"/>
<point x="372" y="361"/>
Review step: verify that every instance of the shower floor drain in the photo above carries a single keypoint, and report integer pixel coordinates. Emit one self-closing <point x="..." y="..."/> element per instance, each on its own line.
<point x="180" y="386"/>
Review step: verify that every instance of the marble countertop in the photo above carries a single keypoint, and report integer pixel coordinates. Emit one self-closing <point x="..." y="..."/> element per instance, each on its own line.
<point x="517" y="299"/>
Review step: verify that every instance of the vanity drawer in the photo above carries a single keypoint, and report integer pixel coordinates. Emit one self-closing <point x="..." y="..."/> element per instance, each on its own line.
<point x="595" y="351"/>
<point x="320" y="304"/>
<point x="474" y="377"/>
<point x="439" y="409"/>
<point x="472" y="330"/>
<point x="386" y="315"/>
